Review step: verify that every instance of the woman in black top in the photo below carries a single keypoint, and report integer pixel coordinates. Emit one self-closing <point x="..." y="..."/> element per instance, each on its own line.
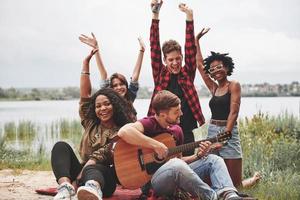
<point x="224" y="105"/>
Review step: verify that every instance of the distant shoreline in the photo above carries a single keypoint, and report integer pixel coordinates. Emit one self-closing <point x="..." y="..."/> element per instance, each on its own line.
<point x="70" y="93"/>
<point x="69" y="99"/>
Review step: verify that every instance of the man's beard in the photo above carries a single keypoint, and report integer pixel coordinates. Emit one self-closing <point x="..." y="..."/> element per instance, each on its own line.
<point x="173" y="122"/>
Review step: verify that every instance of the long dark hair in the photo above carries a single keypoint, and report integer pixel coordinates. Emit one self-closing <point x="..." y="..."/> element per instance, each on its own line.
<point x="127" y="96"/>
<point x="121" y="112"/>
<point x="123" y="80"/>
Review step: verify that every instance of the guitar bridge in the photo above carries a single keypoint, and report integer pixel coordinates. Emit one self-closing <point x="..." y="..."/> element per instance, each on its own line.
<point x="149" y="167"/>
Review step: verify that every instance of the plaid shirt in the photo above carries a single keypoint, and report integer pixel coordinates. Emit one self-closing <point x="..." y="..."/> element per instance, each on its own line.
<point x="161" y="75"/>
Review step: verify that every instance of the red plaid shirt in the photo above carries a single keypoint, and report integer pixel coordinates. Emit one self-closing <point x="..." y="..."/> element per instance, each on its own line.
<point x="161" y="75"/>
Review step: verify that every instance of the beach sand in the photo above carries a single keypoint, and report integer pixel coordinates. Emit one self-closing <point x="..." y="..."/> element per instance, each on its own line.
<point x="22" y="184"/>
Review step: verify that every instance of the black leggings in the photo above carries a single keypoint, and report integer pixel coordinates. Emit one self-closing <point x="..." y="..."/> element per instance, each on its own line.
<point x="65" y="164"/>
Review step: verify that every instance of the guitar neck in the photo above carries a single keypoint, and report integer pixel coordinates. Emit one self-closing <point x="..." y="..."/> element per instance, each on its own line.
<point x="189" y="146"/>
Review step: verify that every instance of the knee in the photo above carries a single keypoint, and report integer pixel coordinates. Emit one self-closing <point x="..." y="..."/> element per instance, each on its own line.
<point x="179" y="165"/>
<point x="60" y="146"/>
<point x="215" y="160"/>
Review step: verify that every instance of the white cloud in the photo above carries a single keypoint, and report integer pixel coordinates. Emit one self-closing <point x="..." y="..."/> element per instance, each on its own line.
<point x="39" y="39"/>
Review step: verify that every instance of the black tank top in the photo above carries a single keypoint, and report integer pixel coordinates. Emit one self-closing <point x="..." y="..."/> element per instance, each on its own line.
<point x="220" y="106"/>
<point x="187" y="120"/>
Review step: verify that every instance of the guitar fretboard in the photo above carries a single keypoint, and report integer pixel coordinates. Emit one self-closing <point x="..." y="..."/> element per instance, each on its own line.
<point x="194" y="145"/>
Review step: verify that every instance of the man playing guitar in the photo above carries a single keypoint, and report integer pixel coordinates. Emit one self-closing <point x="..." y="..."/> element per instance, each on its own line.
<point x="185" y="173"/>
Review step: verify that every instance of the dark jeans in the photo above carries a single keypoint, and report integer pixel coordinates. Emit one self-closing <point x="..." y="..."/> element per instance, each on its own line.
<point x="65" y="164"/>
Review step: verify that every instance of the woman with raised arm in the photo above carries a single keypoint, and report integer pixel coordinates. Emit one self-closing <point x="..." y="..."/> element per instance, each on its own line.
<point x="118" y="81"/>
<point x="224" y="106"/>
<point x="102" y="114"/>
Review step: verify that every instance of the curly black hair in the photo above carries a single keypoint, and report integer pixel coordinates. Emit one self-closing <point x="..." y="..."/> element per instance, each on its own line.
<point x="121" y="111"/>
<point x="226" y="60"/>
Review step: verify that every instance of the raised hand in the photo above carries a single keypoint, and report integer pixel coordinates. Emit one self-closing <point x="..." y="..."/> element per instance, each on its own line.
<point x="156" y="5"/>
<point x="188" y="11"/>
<point x="88" y="58"/>
<point x="142" y="44"/>
<point x="201" y="33"/>
<point x="91" y="41"/>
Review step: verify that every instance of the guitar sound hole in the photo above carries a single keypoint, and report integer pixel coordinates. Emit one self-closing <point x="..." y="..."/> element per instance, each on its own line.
<point x="158" y="159"/>
<point x="152" y="167"/>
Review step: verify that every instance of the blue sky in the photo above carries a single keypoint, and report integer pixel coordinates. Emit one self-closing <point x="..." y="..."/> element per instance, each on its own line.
<point x="39" y="44"/>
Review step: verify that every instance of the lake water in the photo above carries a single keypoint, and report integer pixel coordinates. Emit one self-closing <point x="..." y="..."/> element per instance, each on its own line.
<point x="43" y="114"/>
<point x="48" y="111"/>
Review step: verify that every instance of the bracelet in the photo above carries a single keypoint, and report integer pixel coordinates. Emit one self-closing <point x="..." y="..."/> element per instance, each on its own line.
<point x="142" y="50"/>
<point x="85" y="73"/>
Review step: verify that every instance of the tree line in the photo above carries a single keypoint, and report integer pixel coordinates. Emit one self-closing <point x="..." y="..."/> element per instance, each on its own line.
<point x="67" y="93"/>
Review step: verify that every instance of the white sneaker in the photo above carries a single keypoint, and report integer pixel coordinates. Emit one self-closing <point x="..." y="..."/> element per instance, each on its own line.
<point x="91" y="191"/>
<point x="65" y="191"/>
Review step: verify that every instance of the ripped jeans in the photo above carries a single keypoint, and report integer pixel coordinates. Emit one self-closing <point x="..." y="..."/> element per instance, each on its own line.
<point x="178" y="174"/>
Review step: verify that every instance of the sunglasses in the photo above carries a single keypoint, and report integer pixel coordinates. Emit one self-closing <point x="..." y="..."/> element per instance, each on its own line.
<point x="215" y="68"/>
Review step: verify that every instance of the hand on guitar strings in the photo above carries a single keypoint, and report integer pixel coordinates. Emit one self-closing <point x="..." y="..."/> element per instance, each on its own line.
<point x="161" y="150"/>
<point x="204" y="148"/>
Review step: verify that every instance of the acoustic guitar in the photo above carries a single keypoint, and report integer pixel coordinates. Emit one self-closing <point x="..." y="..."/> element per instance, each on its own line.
<point x="135" y="165"/>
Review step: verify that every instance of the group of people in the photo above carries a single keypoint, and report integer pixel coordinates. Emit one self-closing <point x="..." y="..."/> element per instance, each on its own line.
<point x="108" y="115"/>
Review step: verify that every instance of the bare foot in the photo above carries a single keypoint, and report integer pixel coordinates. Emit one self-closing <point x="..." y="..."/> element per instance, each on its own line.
<point x="249" y="182"/>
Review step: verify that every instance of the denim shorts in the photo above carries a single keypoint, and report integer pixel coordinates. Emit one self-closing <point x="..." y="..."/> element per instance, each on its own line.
<point x="232" y="149"/>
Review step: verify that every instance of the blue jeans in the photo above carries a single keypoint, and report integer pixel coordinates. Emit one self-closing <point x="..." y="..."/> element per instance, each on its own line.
<point x="178" y="174"/>
<point x="214" y="167"/>
<point x="233" y="149"/>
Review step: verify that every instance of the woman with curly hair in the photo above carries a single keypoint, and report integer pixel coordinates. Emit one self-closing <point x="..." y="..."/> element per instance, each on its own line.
<point x="118" y="81"/>
<point x="102" y="114"/>
<point x="224" y="106"/>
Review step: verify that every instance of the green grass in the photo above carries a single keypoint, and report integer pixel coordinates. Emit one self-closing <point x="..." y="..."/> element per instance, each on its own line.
<point x="15" y="159"/>
<point x="270" y="145"/>
<point x="25" y="133"/>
